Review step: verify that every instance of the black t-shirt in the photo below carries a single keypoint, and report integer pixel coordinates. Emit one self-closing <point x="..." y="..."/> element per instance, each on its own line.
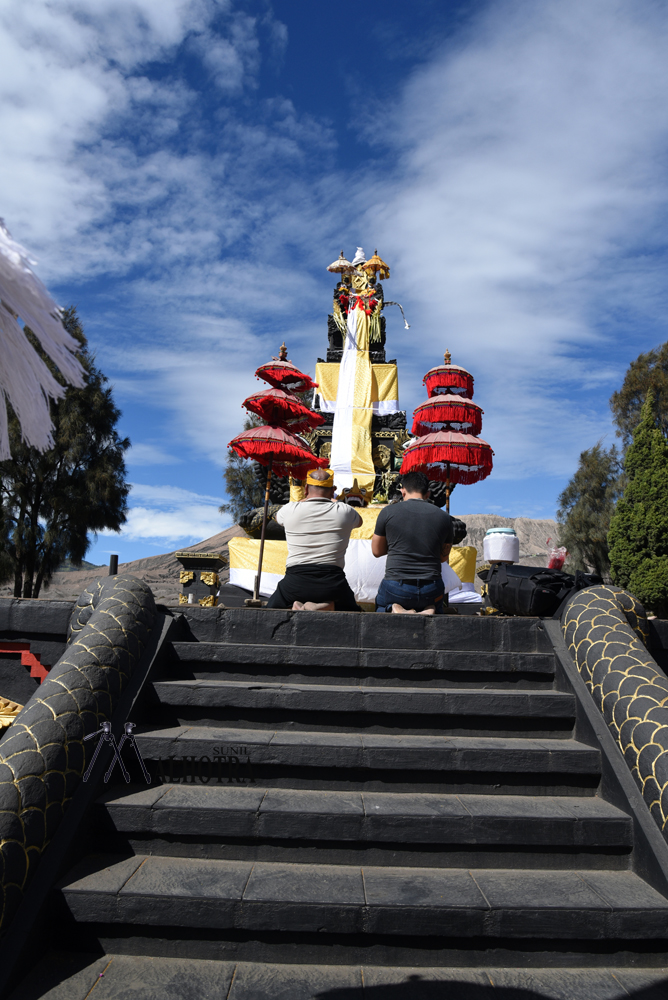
<point x="416" y="531"/>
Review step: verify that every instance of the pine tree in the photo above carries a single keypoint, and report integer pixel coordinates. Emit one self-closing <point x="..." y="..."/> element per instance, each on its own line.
<point x="648" y="371"/>
<point x="638" y="536"/>
<point x="586" y="507"/>
<point x="51" y="501"/>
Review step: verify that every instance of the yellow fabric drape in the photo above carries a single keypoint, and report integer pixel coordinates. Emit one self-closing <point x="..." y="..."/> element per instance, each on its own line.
<point x="384" y="382"/>
<point x="244" y="552"/>
<point x="362" y="461"/>
<point x="462" y="560"/>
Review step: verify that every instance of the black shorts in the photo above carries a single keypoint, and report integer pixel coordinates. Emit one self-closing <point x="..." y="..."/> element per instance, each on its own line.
<point x="320" y="583"/>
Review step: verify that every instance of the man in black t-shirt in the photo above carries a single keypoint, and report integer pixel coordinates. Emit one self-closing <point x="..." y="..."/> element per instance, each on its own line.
<point x="417" y="537"/>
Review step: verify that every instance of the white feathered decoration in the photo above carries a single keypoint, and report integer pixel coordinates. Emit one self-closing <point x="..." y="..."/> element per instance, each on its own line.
<point x="24" y="378"/>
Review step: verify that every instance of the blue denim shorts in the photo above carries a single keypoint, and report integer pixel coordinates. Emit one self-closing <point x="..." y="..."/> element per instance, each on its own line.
<point x="411" y="596"/>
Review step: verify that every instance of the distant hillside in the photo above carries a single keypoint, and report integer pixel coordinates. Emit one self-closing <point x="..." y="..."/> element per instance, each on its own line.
<point x="69" y="567"/>
<point x="533" y="535"/>
<point x="161" y="572"/>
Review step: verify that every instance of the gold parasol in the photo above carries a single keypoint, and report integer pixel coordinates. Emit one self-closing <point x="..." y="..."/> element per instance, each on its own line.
<point x="376" y="264"/>
<point x="341" y="266"/>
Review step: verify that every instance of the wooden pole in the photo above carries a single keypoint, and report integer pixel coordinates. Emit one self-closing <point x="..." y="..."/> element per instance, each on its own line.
<point x="447" y="490"/>
<point x="256" y="589"/>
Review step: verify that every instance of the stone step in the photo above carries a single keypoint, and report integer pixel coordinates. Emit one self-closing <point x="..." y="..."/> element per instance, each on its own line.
<point x="400" y="701"/>
<point x="143" y="977"/>
<point x="320" y="661"/>
<point x="398" y="818"/>
<point x="374" y="751"/>
<point x="323" y="630"/>
<point x="150" y="891"/>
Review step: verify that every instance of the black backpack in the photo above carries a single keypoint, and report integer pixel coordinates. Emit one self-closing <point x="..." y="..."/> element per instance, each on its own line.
<point x="532" y="590"/>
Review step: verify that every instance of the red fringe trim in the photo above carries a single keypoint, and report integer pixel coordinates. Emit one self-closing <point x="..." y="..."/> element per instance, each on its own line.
<point x="263" y="446"/>
<point x="448" y="380"/>
<point x="285" y="378"/>
<point x="459" y="462"/>
<point x="451" y="409"/>
<point x="287" y="413"/>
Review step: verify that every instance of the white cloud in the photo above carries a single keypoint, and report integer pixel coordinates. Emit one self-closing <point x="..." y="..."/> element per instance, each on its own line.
<point x="527" y="214"/>
<point x="518" y="191"/>
<point x="91" y="182"/>
<point x="149" y="454"/>
<point x="171" y="514"/>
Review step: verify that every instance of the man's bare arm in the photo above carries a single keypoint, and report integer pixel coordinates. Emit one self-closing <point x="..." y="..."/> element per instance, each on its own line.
<point x="379" y="545"/>
<point x="445" y="552"/>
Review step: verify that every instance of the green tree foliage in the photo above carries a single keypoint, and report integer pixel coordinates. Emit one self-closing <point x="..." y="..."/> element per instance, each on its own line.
<point x="51" y="501"/>
<point x="244" y="490"/>
<point x="586" y="507"/>
<point x="638" y="535"/>
<point x="648" y="371"/>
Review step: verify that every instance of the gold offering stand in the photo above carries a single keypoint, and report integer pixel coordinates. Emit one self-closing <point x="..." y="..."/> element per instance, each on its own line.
<point x="199" y="577"/>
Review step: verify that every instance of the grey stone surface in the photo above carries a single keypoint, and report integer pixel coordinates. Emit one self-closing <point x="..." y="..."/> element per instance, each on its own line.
<point x="411" y="817"/>
<point x="184" y="892"/>
<point x="61" y="975"/>
<point x="27" y="617"/>
<point x="353" y="750"/>
<point x="482" y="661"/>
<point x="132" y="978"/>
<point x="348" y="698"/>
<point x="296" y="982"/>
<point x="129" y="977"/>
<point x="266" y="627"/>
<point x="93" y="875"/>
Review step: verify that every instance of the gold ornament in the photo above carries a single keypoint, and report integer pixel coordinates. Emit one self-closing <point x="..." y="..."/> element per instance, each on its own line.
<point x="8" y="712"/>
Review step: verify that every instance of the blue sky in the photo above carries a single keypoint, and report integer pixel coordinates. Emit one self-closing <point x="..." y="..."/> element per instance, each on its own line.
<point x="184" y="170"/>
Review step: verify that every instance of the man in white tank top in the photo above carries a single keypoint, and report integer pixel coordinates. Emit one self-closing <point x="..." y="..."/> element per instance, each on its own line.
<point x="317" y="530"/>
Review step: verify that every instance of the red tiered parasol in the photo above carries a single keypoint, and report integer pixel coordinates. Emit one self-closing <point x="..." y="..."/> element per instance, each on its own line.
<point x="451" y="454"/>
<point x="279" y="407"/>
<point x="282" y="374"/>
<point x="440" y="412"/>
<point x="448" y="378"/>
<point x="275" y="444"/>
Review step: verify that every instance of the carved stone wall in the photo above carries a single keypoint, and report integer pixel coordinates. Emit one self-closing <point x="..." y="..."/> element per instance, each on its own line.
<point x="607" y="634"/>
<point x="43" y="754"/>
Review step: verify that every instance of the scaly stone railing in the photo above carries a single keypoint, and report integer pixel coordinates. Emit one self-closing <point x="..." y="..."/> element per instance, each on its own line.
<point x="607" y="635"/>
<point x="43" y="755"/>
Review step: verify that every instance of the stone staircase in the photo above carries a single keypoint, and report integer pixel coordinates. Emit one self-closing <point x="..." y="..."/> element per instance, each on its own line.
<point x="358" y="806"/>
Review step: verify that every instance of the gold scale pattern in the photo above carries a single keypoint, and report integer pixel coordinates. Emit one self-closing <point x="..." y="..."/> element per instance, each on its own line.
<point x="607" y="634"/>
<point x="43" y="755"/>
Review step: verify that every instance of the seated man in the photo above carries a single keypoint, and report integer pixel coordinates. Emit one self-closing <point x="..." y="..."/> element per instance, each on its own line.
<point x="317" y="531"/>
<point x="416" y="537"/>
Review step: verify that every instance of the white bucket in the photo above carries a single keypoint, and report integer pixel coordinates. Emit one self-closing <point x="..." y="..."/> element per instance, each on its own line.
<point x="501" y="545"/>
